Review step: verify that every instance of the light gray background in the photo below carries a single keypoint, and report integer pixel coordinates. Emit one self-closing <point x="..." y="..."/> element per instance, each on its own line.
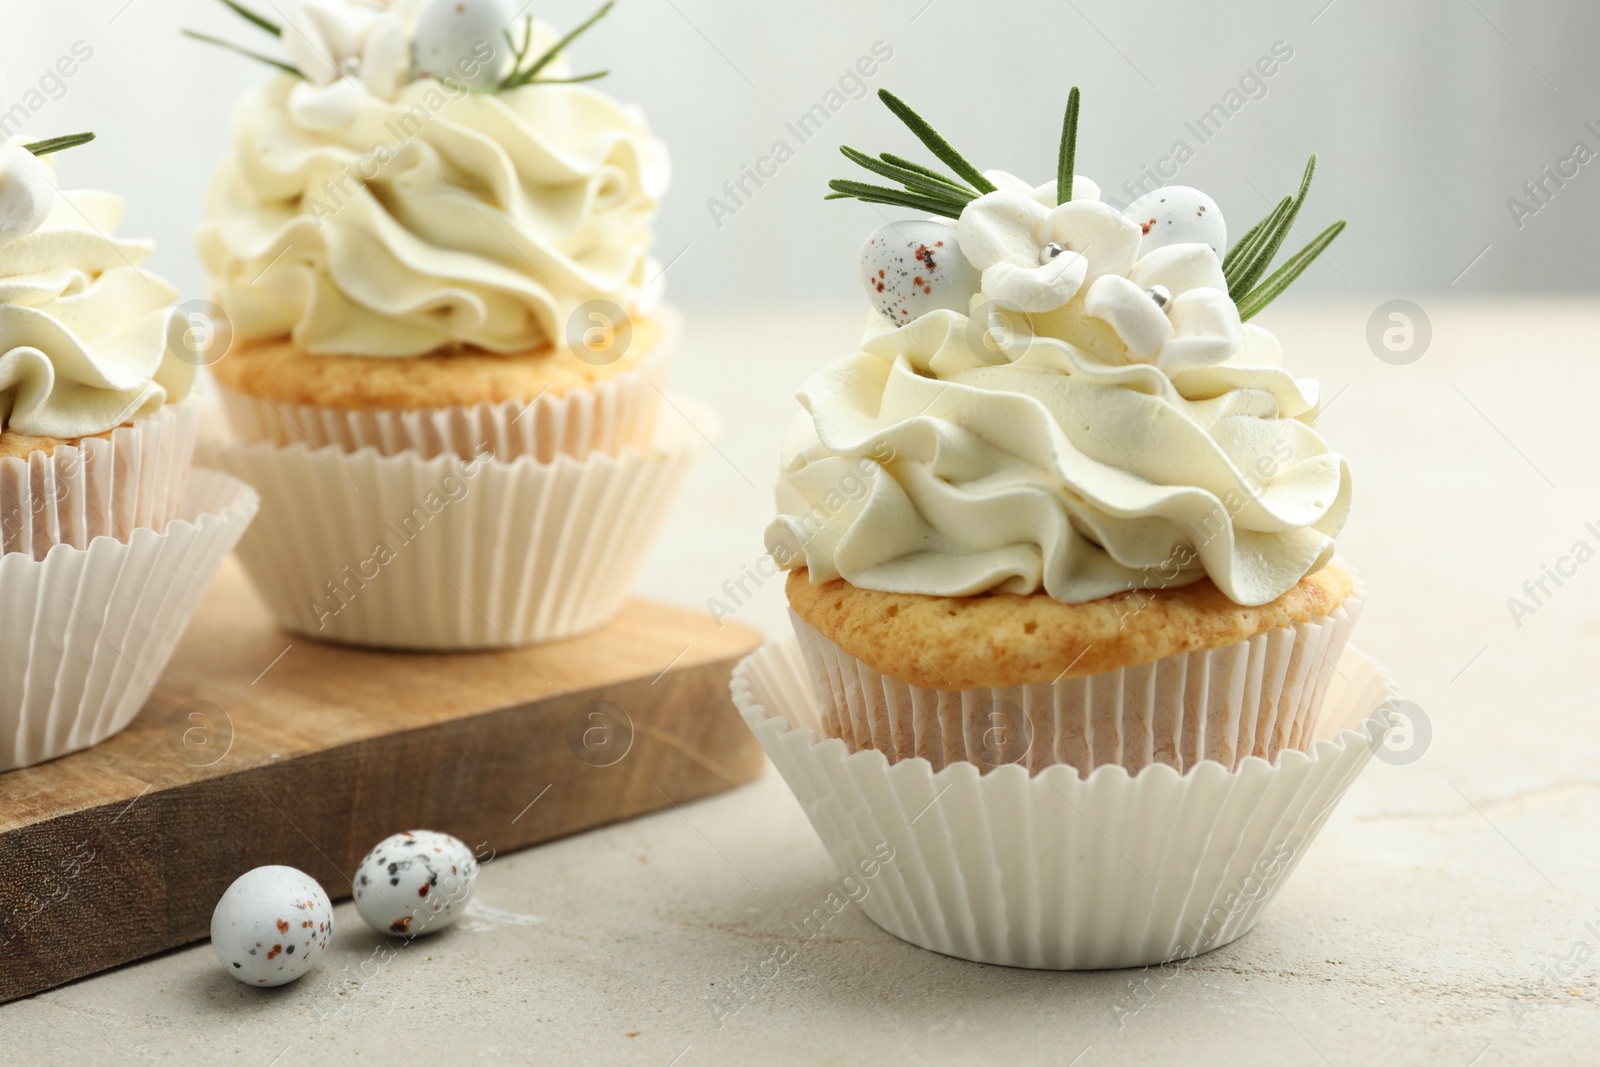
<point x="1427" y="117"/>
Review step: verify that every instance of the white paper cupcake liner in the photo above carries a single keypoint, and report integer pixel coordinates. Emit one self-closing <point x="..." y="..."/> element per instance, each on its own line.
<point x="1252" y="698"/>
<point x="85" y="633"/>
<point x="1056" y="871"/>
<point x="99" y="488"/>
<point x="606" y="418"/>
<point x="441" y="554"/>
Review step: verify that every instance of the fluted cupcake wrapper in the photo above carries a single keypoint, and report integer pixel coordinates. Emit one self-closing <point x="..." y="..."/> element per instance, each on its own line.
<point x="1253" y="698"/>
<point x="606" y="418"/>
<point x="448" y="554"/>
<point x="85" y="633"/>
<point x="1052" y="870"/>
<point x="98" y="488"/>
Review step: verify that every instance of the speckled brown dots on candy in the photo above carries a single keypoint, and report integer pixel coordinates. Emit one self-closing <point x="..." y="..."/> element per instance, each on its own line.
<point x="283" y="926"/>
<point x="1145" y="227"/>
<point x="273" y="954"/>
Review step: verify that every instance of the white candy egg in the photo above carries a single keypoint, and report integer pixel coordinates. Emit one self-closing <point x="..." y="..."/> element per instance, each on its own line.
<point x="914" y="267"/>
<point x="271" y="925"/>
<point x="415" y="883"/>
<point x="464" y="41"/>
<point x="1175" y="215"/>
<point x="26" y="194"/>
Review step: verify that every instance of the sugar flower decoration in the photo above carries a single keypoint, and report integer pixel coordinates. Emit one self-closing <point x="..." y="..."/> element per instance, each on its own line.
<point x="1034" y="254"/>
<point x="345" y="52"/>
<point x="1172" y="309"/>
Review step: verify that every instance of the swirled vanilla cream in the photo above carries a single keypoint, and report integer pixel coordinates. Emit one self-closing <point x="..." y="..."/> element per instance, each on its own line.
<point x="366" y="211"/>
<point x="1083" y="413"/>
<point x="84" y="330"/>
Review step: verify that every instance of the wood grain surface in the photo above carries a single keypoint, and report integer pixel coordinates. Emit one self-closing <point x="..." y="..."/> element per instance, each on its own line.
<point x="258" y="747"/>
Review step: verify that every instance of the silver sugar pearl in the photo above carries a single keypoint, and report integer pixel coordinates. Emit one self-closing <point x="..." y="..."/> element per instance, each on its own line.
<point x="1161" y="295"/>
<point x="350" y="66"/>
<point x="1049" y="252"/>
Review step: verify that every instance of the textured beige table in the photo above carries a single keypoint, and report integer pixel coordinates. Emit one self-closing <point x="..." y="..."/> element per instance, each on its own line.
<point x="1449" y="913"/>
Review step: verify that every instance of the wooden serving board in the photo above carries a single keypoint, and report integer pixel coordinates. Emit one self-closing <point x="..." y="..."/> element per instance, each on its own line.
<point x="261" y="747"/>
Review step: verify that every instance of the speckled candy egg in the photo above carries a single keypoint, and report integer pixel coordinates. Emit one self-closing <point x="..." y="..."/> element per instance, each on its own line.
<point x="415" y="883"/>
<point x="454" y="37"/>
<point x="1175" y="215"/>
<point x="912" y="268"/>
<point x="271" y="925"/>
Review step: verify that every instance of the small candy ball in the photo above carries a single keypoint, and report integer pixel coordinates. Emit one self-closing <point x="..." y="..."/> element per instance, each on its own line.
<point x="914" y="267"/>
<point x="1175" y="215"/>
<point x="415" y="883"/>
<point x="464" y="41"/>
<point x="26" y="193"/>
<point x="271" y="925"/>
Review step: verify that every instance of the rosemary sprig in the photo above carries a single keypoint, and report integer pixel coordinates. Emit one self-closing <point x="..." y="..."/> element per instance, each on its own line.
<point x="591" y="76"/>
<point x="1284" y="276"/>
<point x="914" y="180"/>
<point x="1251" y="257"/>
<point x="935" y="143"/>
<point x="882" y="194"/>
<point x="521" y="75"/>
<point x="1069" y="149"/>
<point x="260" y="21"/>
<point x="58" y="144"/>
<point x="926" y="172"/>
<point x="1251" y="265"/>
<point x="925" y="189"/>
<point x="230" y="46"/>
<point x="1253" y="236"/>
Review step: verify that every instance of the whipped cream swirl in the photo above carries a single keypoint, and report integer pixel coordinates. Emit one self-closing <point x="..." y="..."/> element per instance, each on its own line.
<point x="423" y="216"/>
<point x="1119" y="442"/>
<point x="85" y="335"/>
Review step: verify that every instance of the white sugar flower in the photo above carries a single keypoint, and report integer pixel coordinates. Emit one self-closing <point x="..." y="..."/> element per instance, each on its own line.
<point x="1172" y="309"/>
<point x="347" y="51"/>
<point x="1034" y="254"/>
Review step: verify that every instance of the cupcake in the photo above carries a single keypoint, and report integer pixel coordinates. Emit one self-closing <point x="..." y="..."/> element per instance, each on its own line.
<point x="1063" y="520"/>
<point x="95" y="439"/>
<point x="431" y="241"/>
<point x="1064" y="494"/>
<point x="106" y="544"/>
